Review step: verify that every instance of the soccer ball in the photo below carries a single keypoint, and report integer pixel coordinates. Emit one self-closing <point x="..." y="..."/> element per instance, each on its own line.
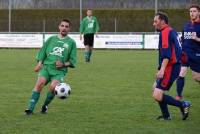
<point x="62" y="90"/>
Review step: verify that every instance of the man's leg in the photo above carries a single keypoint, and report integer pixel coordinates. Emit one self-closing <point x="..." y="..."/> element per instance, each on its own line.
<point x="180" y="82"/>
<point x="165" y="100"/>
<point x="194" y="66"/>
<point x="196" y="76"/>
<point x="50" y="95"/>
<point x="158" y="96"/>
<point x="35" y="95"/>
<point x="87" y="53"/>
<point x="91" y="43"/>
<point x="90" y="52"/>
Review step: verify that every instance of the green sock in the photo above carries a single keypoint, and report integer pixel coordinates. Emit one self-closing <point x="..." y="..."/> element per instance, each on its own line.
<point x="86" y="55"/>
<point x="33" y="100"/>
<point x="49" y="98"/>
<point x="89" y="53"/>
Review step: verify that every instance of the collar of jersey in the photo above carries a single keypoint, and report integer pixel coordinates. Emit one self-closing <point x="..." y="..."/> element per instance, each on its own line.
<point x="193" y="22"/>
<point x="90" y="18"/>
<point x="164" y="27"/>
<point x="62" y="38"/>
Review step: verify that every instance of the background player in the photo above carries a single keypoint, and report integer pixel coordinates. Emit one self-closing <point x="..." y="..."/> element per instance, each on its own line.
<point x="180" y="82"/>
<point x="56" y="55"/>
<point x="169" y="67"/>
<point x="191" y="48"/>
<point x="89" y="27"/>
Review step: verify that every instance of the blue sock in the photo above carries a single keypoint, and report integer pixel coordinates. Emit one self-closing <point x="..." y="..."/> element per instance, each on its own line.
<point x="171" y="101"/>
<point x="179" y="85"/>
<point x="164" y="109"/>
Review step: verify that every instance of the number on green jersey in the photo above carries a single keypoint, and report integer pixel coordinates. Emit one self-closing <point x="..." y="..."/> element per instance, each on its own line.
<point x="91" y="25"/>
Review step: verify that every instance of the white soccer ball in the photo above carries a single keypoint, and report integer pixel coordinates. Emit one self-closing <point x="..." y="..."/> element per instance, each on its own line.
<point x="62" y="90"/>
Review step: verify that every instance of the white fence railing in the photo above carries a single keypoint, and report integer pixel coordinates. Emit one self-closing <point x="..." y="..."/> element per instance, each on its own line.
<point x="101" y="41"/>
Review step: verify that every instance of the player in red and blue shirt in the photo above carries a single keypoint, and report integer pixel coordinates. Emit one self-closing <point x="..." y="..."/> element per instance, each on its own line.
<point x="169" y="53"/>
<point x="169" y="67"/>
<point x="191" y="49"/>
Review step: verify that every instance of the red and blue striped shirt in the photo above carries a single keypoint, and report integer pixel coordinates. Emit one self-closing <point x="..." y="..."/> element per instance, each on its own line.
<point x="169" y="46"/>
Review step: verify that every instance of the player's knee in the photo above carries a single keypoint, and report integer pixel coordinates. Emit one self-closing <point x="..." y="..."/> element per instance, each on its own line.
<point x="53" y="85"/>
<point x="158" y="94"/>
<point x="87" y="47"/>
<point x="39" y="85"/>
<point x="197" y="79"/>
<point x="196" y="76"/>
<point x="157" y="97"/>
<point x="183" y="72"/>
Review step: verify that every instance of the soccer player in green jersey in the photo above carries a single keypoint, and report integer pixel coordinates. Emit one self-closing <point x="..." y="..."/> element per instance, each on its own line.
<point x="56" y="55"/>
<point x="89" y="27"/>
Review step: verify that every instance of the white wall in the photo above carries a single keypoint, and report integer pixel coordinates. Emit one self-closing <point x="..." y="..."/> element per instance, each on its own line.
<point x="114" y="41"/>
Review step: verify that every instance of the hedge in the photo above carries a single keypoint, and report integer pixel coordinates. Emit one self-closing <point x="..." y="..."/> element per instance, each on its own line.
<point x="34" y="20"/>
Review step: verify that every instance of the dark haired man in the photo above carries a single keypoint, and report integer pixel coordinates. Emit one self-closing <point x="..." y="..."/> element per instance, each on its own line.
<point x="168" y="68"/>
<point x="56" y="55"/>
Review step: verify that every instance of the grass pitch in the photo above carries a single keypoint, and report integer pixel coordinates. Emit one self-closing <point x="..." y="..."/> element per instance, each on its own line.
<point x="110" y="95"/>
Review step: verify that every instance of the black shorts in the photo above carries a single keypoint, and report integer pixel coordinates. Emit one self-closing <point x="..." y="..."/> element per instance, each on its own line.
<point x="89" y="39"/>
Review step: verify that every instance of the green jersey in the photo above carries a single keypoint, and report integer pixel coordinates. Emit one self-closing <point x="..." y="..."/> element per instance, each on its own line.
<point x="55" y="49"/>
<point x="89" y="25"/>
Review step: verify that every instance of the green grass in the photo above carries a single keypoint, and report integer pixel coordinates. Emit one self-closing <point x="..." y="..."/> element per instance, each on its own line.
<point x="110" y="95"/>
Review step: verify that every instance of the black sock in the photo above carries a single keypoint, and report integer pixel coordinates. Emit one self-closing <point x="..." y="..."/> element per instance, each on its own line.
<point x="171" y="101"/>
<point x="164" y="109"/>
<point x="179" y="85"/>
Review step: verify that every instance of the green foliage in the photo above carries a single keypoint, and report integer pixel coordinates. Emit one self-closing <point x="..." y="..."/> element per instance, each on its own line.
<point x="32" y="20"/>
<point x="110" y="95"/>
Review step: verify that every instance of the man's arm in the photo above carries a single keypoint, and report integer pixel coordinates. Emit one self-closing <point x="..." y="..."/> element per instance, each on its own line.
<point x="73" y="56"/>
<point x="42" y="52"/>
<point x="72" y="59"/>
<point x="161" y="72"/>
<point x="38" y="66"/>
<point x="81" y="29"/>
<point x="194" y="37"/>
<point x="41" y="56"/>
<point x="165" y="53"/>
<point x="59" y="64"/>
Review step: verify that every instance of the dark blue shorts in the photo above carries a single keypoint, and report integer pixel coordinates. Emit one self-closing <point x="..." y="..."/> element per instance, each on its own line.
<point x="170" y="75"/>
<point x="195" y="65"/>
<point x="184" y="59"/>
<point x="194" y="61"/>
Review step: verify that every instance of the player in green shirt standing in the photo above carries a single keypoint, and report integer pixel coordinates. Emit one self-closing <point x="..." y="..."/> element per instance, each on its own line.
<point x="89" y="27"/>
<point x="56" y="55"/>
